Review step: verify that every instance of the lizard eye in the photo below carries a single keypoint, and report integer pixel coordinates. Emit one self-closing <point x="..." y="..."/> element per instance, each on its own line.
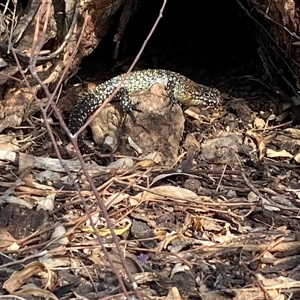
<point x="206" y="94"/>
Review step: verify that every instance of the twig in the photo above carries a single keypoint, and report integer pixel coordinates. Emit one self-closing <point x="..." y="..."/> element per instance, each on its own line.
<point x="251" y="186"/>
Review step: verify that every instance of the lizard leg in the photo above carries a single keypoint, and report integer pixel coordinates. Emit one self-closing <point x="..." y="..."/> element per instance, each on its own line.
<point x="126" y="104"/>
<point x="170" y="88"/>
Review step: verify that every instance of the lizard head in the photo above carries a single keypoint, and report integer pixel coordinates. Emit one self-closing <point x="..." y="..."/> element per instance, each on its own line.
<point x="193" y="94"/>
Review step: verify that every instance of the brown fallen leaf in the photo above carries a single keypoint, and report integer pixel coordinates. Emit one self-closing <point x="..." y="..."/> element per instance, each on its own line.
<point x="173" y="294"/>
<point x="33" y="290"/>
<point x="17" y="279"/>
<point x="6" y="239"/>
<point x="282" y="153"/>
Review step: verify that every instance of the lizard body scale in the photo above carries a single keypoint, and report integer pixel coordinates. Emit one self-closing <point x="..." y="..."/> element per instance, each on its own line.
<point x="178" y="87"/>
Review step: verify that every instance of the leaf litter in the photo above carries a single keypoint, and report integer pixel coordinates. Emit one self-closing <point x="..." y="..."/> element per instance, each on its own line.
<point x="222" y="222"/>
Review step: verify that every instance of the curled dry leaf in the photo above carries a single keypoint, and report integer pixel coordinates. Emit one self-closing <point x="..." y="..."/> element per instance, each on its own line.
<point x="260" y="141"/>
<point x="163" y="176"/>
<point x="17" y="279"/>
<point x="169" y="238"/>
<point x="133" y="145"/>
<point x="173" y="294"/>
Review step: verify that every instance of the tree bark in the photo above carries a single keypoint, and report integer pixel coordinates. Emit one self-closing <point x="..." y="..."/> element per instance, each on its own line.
<point x="18" y="33"/>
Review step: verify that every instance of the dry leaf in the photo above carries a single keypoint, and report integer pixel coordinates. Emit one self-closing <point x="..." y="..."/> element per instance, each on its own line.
<point x="260" y="141"/>
<point x="17" y="279"/>
<point x="256" y="293"/>
<point x="292" y="132"/>
<point x="122" y="163"/>
<point x="120" y="228"/>
<point x="20" y="202"/>
<point x="166" y="192"/>
<point x="169" y="238"/>
<point x="211" y="225"/>
<point x="46" y="203"/>
<point x="297" y="157"/>
<point x="179" y="267"/>
<point x="145" y="163"/>
<point x="47" y="176"/>
<point x="6" y="239"/>
<point x="58" y="235"/>
<point x="252" y="197"/>
<point x="279" y="282"/>
<point x="173" y="294"/>
<point x="150" y="160"/>
<point x="223" y="238"/>
<point x="33" y="290"/>
<point x="115" y="199"/>
<point x="259" y="123"/>
<point x="8" y="143"/>
<point x="54" y="262"/>
<point x="282" y="153"/>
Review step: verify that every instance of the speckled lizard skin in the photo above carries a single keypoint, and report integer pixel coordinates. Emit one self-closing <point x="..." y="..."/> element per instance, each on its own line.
<point x="178" y="87"/>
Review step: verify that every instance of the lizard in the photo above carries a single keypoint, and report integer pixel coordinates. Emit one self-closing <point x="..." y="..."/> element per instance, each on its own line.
<point x="178" y="87"/>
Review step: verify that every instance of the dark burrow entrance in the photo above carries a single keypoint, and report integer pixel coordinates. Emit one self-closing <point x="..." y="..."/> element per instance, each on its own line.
<point x="212" y="43"/>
